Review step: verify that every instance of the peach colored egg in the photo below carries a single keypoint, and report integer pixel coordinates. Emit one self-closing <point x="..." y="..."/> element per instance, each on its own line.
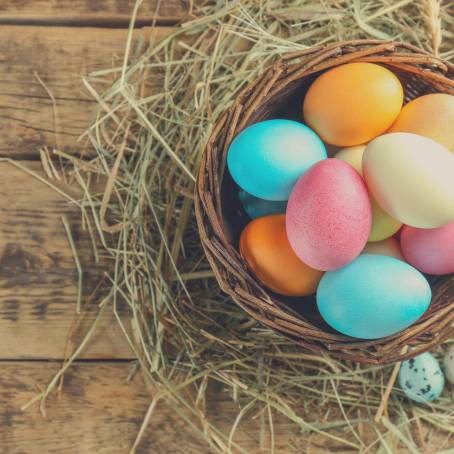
<point x="383" y="225"/>
<point x="389" y="247"/>
<point x="328" y="215"/>
<point x="265" y="247"/>
<point x="353" y="103"/>
<point x="429" y="250"/>
<point x="430" y="116"/>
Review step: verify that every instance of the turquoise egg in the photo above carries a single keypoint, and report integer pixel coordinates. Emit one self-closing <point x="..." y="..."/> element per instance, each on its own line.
<point x="267" y="158"/>
<point x="256" y="208"/>
<point x="421" y="378"/>
<point x="374" y="296"/>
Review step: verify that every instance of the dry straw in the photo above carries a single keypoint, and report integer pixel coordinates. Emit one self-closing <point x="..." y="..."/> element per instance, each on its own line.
<point x="155" y="115"/>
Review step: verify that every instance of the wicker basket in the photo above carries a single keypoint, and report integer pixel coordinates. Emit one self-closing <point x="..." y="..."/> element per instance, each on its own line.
<point x="278" y="93"/>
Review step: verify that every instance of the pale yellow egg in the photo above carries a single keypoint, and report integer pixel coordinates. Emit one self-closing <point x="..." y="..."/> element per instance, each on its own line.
<point x="383" y="225"/>
<point x="411" y="178"/>
<point x="353" y="156"/>
<point x="389" y="247"/>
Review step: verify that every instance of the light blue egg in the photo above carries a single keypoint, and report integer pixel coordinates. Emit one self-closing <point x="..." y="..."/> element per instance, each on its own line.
<point x="421" y="378"/>
<point x="268" y="157"/>
<point x="374" y="296"/>
<point x="256" y="208"/>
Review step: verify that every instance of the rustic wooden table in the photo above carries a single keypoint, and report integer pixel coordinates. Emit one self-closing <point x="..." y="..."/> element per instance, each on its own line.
<point x="46" y="47"/>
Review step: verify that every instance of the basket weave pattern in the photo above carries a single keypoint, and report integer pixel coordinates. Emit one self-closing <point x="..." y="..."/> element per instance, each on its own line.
<point x="219" y="214"/>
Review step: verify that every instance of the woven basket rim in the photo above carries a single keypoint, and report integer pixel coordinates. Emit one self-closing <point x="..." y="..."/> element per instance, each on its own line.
<point x="422" y="73"/>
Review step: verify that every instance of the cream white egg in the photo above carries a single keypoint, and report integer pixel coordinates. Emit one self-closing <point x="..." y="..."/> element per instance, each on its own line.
<point x="412" y="178"/>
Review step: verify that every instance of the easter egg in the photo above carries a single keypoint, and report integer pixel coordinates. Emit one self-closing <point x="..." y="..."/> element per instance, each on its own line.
<point x="383" y="225"/>
<point x="352" y="155"/>
<point x="328" y="215"/>
<point x="389" y="247"/>
<point x="411" y="178"/>
<point x="353" y="103"/>
<point x="256" y="208"/>
<point x="421" y="378"/>
<point x="429" y="250"/>
<point x="374" y="296"/>
<point x="448" y="364"/>
<point x="265" y="247"/>
<point x="267" y="158"/>
<point x="429" y="116"/>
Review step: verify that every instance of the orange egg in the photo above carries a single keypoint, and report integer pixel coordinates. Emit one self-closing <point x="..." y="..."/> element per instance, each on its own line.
<point x="353" y="103"/>
<point x="266" y="249"/>
<point x="431" y="116"/>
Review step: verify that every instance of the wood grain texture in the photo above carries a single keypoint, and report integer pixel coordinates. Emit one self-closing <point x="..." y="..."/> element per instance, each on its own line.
<point x="60" y="56"/>
<point x="38" y="276"/>
<point x="98" y="411"/>
<point x="90" y="12"/>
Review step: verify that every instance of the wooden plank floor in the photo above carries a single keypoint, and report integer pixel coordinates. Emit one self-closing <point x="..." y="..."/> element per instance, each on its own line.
<point x="50" y="45"/>
<point x="99" y="412"/>
<point x="38" y="276"/>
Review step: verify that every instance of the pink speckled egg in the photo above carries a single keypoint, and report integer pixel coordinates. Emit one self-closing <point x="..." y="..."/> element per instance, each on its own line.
<point x="329" y="215"/>
<point x="429" y="250"/>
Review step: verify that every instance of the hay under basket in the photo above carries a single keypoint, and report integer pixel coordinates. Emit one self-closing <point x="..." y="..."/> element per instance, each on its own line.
<point x="278" y="93"/>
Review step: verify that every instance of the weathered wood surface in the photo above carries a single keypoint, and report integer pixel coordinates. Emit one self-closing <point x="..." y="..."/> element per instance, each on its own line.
<point x="38" y="275"/>
<point x="60" y="57"/>
<point x="98" y="411"/>
<point x="90" y="12"/>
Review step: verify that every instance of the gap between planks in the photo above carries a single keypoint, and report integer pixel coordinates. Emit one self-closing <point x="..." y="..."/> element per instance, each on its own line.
<point x="88" y="22"/>
<point x="92" y="13"/>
